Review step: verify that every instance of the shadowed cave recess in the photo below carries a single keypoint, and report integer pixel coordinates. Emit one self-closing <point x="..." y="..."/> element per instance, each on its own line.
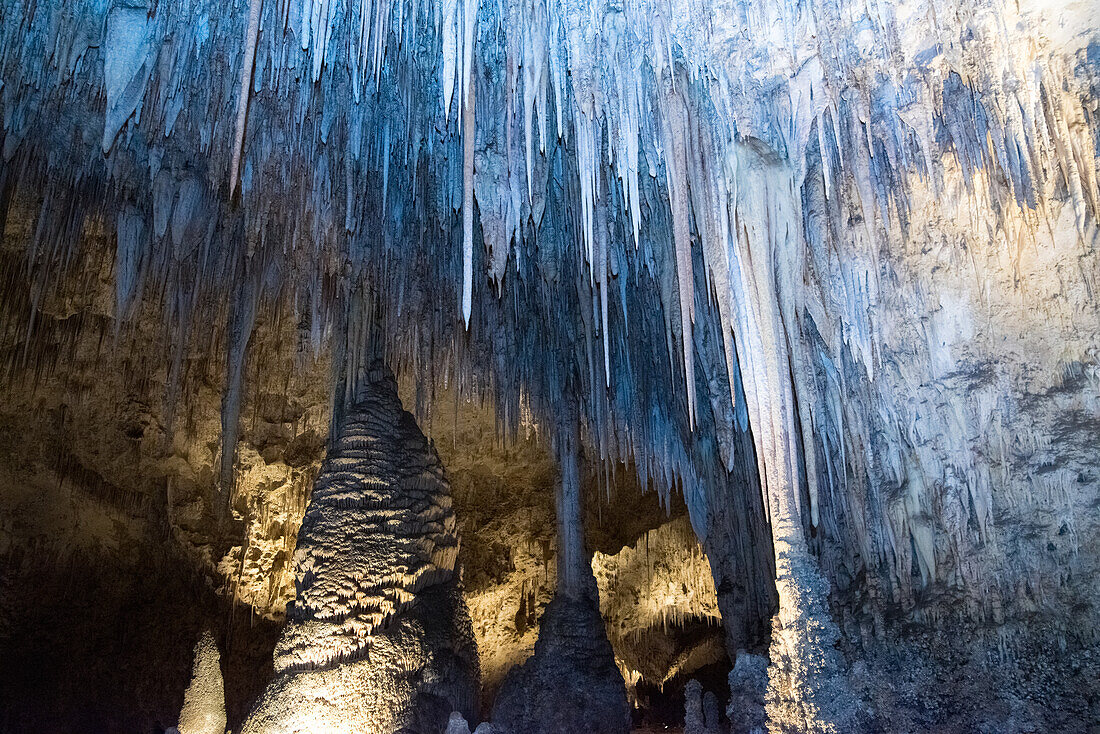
<point x="549" y="366"/>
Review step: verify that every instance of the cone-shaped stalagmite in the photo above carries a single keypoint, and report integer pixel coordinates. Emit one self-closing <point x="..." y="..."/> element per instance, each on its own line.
<point x="204" y="701"/>
<point x="378" y="638"/>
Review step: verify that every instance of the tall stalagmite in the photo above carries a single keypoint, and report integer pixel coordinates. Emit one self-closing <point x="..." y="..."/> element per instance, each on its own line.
<point x="378" y="638"/>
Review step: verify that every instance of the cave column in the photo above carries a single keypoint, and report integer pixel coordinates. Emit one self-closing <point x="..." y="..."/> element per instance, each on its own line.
<point x="573" y="565"/>
<point x="571" y="683"/>
<point x="808" y="688"/>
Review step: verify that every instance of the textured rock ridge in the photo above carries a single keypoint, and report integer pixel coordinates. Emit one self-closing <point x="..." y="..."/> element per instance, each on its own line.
<point x="378" y="638"/>
<point x="748" y="684"/>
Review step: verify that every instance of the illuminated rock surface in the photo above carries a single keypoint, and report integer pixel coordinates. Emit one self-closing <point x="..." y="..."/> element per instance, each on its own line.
<point x="824" y="272"/>
<point x="204" y="701"/>
<point x="378" y="637"/>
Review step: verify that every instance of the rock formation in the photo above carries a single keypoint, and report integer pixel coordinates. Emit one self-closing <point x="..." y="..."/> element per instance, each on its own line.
<point x="827" y="271"/>
<point x="378" y="637"/>
<point x="203" y="709"/>
<point x="457" y="724"/>
<point x="694" y="723"/>
<point x="571" y="682"/>
<point x="748" y="683"/>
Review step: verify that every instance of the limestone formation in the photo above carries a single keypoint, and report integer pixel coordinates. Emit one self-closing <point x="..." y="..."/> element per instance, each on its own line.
<point x="203" y="709"/>
<point x="378" y="638"/>
<point x="457" y="724"/>
<point x="712" y="714"/>
<point x="694" y="723"/>
<point x="571" y="682"/>
<point x="748" y="683"/>
<point x="827" y="270"/>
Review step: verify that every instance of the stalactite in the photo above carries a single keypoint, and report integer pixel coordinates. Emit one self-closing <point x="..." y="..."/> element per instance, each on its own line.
<point x="242" y="321"/>
<point x="251" y="37"/>
<point x="468" y="131"/>
<point x="781" y="191"/>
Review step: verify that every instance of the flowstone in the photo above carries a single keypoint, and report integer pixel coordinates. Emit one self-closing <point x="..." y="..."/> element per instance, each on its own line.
<point x="378" y="638"/>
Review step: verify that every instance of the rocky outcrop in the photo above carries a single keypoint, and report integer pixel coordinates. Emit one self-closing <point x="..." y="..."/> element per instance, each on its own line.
<point x="378" y="638"/>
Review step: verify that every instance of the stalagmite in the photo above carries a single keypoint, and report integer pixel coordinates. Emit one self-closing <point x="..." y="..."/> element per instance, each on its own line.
<point x="378" y="638"/>
<point x="457" y="724"/>
<point x="693" y="708"/>
<point x="204" y="701"/>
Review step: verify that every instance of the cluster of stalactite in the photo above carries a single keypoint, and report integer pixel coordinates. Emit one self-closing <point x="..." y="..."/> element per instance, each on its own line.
<point x="688" y="216"/>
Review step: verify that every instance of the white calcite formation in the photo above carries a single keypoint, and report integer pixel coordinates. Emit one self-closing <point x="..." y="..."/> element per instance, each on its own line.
<point x="378" y="637"/>
<point x="830" y="268"/>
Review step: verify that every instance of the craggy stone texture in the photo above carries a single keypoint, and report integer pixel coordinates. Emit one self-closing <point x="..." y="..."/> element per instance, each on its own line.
<point x="712" y="714"/>
<point x="694" y="723"/>
<point x="748" y="683"/>
<point x="659" y="605"/>
<point x="378" y="638"/>
<point x="203" y="709"/>
<point x="457" y="724"/>
<point x="571" y="683"/>
<point x="861" y="236"/>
